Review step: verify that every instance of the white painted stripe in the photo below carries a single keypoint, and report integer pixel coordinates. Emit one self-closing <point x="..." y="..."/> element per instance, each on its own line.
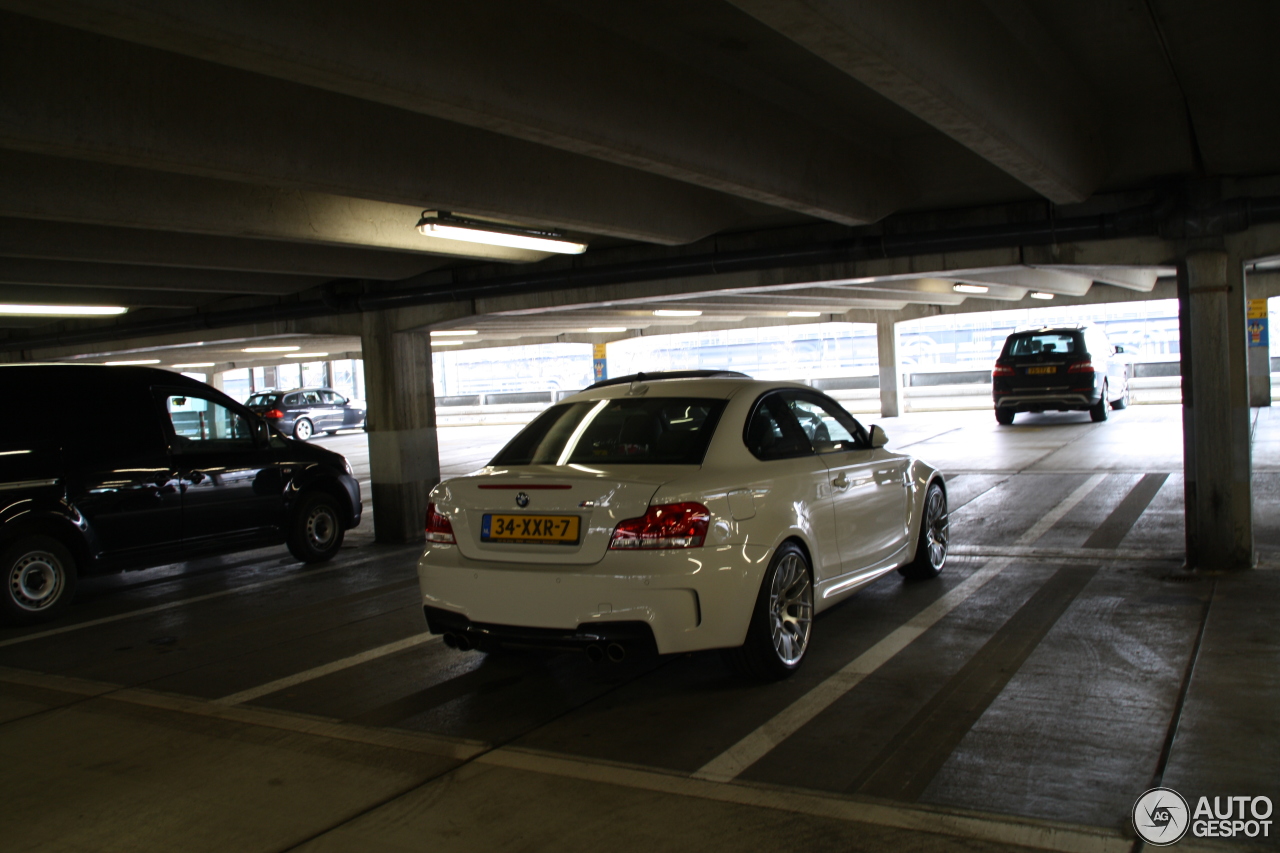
<point x="1092" y="555"/>
<point x="325" y="669"/>
<point x="953" y="823"/>
<point x="306" y="573"/>
<point x="737" y="758"/>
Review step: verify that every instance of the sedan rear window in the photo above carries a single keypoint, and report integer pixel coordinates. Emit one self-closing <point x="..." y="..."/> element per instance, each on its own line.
<point x="657" y="431"/>
<point x="1042" y="344"/>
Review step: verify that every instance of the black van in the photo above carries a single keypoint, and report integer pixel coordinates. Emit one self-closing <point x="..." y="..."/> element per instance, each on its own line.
<point x="112" y="468"/>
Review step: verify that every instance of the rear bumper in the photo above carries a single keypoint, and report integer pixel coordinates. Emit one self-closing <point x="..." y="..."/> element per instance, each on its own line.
<point x="1055" y="402"/>
<point x="688" y="599"/>
<point x="635" y="636"/>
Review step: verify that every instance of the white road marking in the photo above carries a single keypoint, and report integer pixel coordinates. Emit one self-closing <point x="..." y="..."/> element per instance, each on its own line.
<point x="325" y="669"/>
<point x="953" y="823"/>
<point x="309" y="573"/>
<point x="737" y="758"/>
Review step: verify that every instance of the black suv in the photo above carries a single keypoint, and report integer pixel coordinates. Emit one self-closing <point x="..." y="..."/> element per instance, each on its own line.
<point x="1059" y="369"/>
<point x="303" y="412"/>
<point x="169" y="469"/>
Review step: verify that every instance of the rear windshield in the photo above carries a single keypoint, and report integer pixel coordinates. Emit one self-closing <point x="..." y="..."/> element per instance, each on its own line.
<point x="658" y="431"/>
<point x="1043" y="343"/>
<point x="263" y="400"/>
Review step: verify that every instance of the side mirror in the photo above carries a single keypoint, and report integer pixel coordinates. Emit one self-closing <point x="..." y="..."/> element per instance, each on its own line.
<point x="878" y="438"/>
<point x="1119" y="350"/>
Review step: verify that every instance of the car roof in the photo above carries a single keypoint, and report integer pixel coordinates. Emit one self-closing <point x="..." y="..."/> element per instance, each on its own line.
<point x="719" y="387"/>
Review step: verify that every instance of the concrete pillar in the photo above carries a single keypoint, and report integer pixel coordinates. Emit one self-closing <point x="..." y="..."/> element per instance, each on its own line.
<point x="891" y="396"/>
<point x="1219" y="507"/>
<point x="1258" y="336"/>
<point x="216" y="380"/>
<point x="403" y="454"/>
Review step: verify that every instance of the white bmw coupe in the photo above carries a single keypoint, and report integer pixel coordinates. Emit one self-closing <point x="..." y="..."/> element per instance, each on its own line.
<point x="677" y="512"/>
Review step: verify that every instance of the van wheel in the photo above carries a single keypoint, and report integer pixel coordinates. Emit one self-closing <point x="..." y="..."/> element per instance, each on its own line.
<point x="315" y="534"/>
<point x="40" y="579"/>
<point x="1004" y="417"/>
<point x="781" y="622"/>
<point x="1099" y="412"/>
<point x="302" y="430"/>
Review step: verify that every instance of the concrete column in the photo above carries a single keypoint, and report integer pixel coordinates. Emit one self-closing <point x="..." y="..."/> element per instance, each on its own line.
<point x="1258" y="336"/>
<point x="892" y="403"/>
<point x="216" y="380"/>
<point x="1219" y="516"/>
<point x="403" y="454"/>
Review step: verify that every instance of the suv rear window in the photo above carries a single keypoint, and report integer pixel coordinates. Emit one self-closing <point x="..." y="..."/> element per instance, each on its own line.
<point x="656" y="431"/>
<point x="1043" y="343"/>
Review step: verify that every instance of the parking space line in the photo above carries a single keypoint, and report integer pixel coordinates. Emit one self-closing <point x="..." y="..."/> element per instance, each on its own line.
<point x="737" y="758"/>
<point x="325" y="669"/>
<point x="305" y="573"/>
<point x="953" y="823"/>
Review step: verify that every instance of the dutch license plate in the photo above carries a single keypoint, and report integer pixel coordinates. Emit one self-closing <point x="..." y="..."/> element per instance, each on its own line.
<point x="535" y="529"/>
<point x="1031" y="371"/>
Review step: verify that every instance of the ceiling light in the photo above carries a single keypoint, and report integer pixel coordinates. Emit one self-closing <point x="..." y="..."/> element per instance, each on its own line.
<point x="970" y="288"/>
<point x="447" y="343"/>
<point x="442" y="223"/>
<point x="1039" y="295"/>
<point x="441" y="333"/>
<point x="271" y="349"/>
<point x="606" y="330"/>
<point x="61" y="310"/>
<point x="306" y="354"/>
<point x="804" y="313"/>
<point x="193" y="364"/>
<point x="671" y="312"/>
<point x="127" y="363"/>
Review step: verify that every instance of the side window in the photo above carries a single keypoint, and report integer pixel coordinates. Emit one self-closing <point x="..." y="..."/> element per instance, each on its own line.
<point x="292" y="400"/>
<point x="329" y="397"/>
<point x="310" y="398"/>
<point x="828" y="428"/>
<point x="773" y="433"/>
<point x="202" y="425"/>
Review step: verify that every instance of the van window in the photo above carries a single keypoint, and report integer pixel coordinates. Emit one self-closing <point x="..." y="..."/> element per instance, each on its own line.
<point x="203" y="425"/>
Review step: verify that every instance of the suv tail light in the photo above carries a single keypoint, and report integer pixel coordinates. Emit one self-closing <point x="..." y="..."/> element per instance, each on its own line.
<point x="273" y="414"/>
<point x="439" y="528"/>
<point x="1002" y="369"/>
<point x="1085" y="366"/>
<point x="682" y="525"/>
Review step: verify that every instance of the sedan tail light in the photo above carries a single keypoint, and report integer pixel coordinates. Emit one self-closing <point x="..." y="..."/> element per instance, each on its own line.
<point x="1085" y="366"/>
<point x="439" y="528"/>
<point x="1002" y="369"/>
<point x="682" y="525"/>
<point x="273" y="414"/>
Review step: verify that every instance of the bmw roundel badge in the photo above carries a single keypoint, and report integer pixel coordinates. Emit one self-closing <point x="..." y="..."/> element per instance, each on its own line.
<point x="522" y="500"/>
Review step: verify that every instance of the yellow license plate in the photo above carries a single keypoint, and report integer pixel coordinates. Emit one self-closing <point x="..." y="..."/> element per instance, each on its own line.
<point x="1034" y="370"/>
<point x="536" y="529"/>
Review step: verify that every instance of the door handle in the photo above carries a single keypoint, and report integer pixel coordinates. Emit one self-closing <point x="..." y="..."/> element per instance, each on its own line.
<point x="841" y="482"/>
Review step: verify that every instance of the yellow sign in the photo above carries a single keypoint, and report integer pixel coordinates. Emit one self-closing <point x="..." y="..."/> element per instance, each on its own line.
<point x="1257" y="309"/>
<point x="601" y="349"/>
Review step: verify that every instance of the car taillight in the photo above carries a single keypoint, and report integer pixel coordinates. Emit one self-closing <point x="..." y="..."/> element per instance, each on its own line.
<point x="682" y="525"/>
<point x="1002" y="369"/>
<point x="273" y="414"/>
<point x="1081" y="367"/>
<point x="439" y="528"/>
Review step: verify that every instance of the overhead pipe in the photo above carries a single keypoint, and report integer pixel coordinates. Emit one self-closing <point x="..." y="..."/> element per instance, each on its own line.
<point x="1149" y="220"/>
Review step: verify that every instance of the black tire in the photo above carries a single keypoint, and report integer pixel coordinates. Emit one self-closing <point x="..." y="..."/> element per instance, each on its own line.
<point x="1123" y="401"/>
<point x="303" y="429"/>
<point x="40" y="579"/>
<point x="331" y="432"/>
<point x="1099" y="412"/>
<point x="1004" y="417"/>
<point x="785" y="611"/>
<point x="315" y="533"/>
<point x="934" y="538"/>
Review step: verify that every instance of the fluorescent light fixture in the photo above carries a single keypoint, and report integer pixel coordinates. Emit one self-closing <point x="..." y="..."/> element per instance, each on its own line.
<point x="193" y="364"/>
<point x="606" y="330"/>
<point x="804" y="313"/>
<point x="446" y="333"/>
<point x="271" y="349"/>
<point x="127" y="363"/>
<point x="970" y="288"/>
<point x="306" y="354"/>
<point x="442" y="223"/>
<point x="447" y="343"/>
<point x="61" y="310"/>
<point x="672" y="312"/>
<point x="1040" y="295"/>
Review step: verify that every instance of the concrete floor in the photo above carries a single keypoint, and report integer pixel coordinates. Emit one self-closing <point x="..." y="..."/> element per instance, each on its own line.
<point x="1022" y="700"/>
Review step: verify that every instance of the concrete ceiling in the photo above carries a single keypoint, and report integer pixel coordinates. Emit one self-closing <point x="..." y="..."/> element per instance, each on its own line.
<point x="194" y="158"/>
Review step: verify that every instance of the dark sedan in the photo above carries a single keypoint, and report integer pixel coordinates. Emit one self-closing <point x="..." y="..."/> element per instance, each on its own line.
<point x="303" y="412"/>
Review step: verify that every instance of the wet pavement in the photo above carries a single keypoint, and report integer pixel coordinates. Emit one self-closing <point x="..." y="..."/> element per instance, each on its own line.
<point x="1057" y="669"/>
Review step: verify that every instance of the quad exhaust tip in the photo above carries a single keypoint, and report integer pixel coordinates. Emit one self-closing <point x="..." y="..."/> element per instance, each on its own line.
<point x="458" y="641"/>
